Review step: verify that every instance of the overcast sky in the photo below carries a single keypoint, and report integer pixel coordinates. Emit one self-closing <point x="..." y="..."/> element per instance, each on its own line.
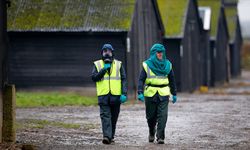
<point x="244" y="14"/>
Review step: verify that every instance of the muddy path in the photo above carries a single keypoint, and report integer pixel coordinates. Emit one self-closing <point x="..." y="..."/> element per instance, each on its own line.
<point x="219" y="119"/>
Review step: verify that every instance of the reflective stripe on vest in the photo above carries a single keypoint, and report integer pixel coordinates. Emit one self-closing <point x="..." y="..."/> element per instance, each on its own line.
<point x="152" y="79"/>
<point x="109" y="83"/>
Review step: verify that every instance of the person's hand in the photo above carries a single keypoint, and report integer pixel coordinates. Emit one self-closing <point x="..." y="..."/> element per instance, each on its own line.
<point x="141" y="97"/>
<point x="107" y="66"/>
<point x="123" y="98"/>
<point x="174" y="99"/>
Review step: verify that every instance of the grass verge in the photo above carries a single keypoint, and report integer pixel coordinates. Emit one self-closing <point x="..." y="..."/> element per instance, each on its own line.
<point x="47" y="99"/>
<point x="40" y="124"/>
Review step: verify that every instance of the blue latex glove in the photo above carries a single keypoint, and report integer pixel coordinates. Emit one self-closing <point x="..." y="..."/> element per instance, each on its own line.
<point x="174" y="99"/>
<point x="123" y="98"/>
<point x="141" y="97"/>
<point x="107" y="66"/>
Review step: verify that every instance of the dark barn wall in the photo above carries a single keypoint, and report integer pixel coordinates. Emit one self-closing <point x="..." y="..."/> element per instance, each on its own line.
<point x="186" y="59"/>
<point x="58" y="59"/>
<point x="145" y="31"/>
<point x="205" y="58"/>
<point x="191" y="60"/>
<point x="213" y="51"/>
<point x="196" y="50"/>
<point x="222" y="50"/>
<point x="235" y="52"/>
<point x="173" y="54"/>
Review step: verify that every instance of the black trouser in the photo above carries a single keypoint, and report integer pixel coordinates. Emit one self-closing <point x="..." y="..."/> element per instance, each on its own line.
<point x="156" y="113"/>
<point x="109" y="116"/>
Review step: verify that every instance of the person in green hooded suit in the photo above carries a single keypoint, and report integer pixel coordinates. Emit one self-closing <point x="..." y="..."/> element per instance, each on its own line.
<point x="156" y="85"/>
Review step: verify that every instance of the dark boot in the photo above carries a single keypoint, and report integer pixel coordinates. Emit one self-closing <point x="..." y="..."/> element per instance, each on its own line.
<point x="106" y="140"/>
<point x="151" y="138"/>
<point x="160" y="141"/>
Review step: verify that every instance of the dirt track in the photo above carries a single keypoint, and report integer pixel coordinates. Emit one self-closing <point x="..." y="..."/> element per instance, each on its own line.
<point x="196" y="121"/>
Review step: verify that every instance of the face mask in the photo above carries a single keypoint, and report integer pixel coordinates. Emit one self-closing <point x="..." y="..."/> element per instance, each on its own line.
<point x="107" y="57"/>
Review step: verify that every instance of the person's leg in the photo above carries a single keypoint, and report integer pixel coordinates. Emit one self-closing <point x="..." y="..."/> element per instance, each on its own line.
<point x="162" y="116"/>
<point x="151" y="113"/>
<point x="105" y="115"/>
<point x="115" y="110"/>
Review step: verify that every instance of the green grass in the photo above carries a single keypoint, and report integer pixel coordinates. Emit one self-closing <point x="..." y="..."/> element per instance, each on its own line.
<point x="46" y="99"/>
<point x="63" y="14"/>
<point x="172" y="14"/>
<point x="51" y="13"/>
<point x="215" y="8"/>
<point x="40" y="124"/>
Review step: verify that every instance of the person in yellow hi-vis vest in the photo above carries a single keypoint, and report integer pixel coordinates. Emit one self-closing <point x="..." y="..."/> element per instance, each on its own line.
<point x="158" y="77"/>
<point x="111" y="86"/>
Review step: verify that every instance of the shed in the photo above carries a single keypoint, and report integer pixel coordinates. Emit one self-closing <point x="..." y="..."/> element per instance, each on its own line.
<point x="219" y="42"/>
<point x="235" y="39"/>
<point x="183" y="29"/>
<point x="205" y="14"/>
<point x="54" y="43"/>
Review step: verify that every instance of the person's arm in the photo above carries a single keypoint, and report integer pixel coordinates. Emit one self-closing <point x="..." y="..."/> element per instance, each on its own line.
<point x="97" y="76"/>
<point x="172" y="84"/>
<point x="142" y="78"/>
<point x="124" y="81"/>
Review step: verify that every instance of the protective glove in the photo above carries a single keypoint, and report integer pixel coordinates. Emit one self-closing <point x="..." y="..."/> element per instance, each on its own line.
<point x="174" y="99"/>
<point x="141" y="97"/>
<point x="123" y="98"/>
<point x="107" y="66"/>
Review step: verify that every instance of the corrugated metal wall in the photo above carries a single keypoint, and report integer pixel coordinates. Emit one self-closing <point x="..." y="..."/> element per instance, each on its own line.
<point x="145" y="31"/>
<point x="55" y="59"/>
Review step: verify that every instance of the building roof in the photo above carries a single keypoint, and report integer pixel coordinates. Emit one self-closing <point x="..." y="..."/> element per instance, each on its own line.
<point x="173" y="13"/>
<point x="215" y="8"/>
<point x="70" y="15"/>
<point x="231" y="17"/>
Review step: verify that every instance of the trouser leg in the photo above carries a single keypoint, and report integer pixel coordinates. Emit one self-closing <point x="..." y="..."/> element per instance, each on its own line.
<point x="105" y="114"/>
<point x="162" y="116"/>
<point x="151" y="114"/>
<point x="115" y="110"/>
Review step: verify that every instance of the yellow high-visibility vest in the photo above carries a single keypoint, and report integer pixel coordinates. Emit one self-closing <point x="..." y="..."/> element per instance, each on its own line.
<point x="109" y="83"/>
<point x="152" y="79"/>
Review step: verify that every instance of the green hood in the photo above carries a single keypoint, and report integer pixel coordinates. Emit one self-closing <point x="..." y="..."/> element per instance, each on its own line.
<point x="159" y="67"/>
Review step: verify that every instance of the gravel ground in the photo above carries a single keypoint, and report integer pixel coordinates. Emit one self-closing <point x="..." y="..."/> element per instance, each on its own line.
<point x="219" y="119"/>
